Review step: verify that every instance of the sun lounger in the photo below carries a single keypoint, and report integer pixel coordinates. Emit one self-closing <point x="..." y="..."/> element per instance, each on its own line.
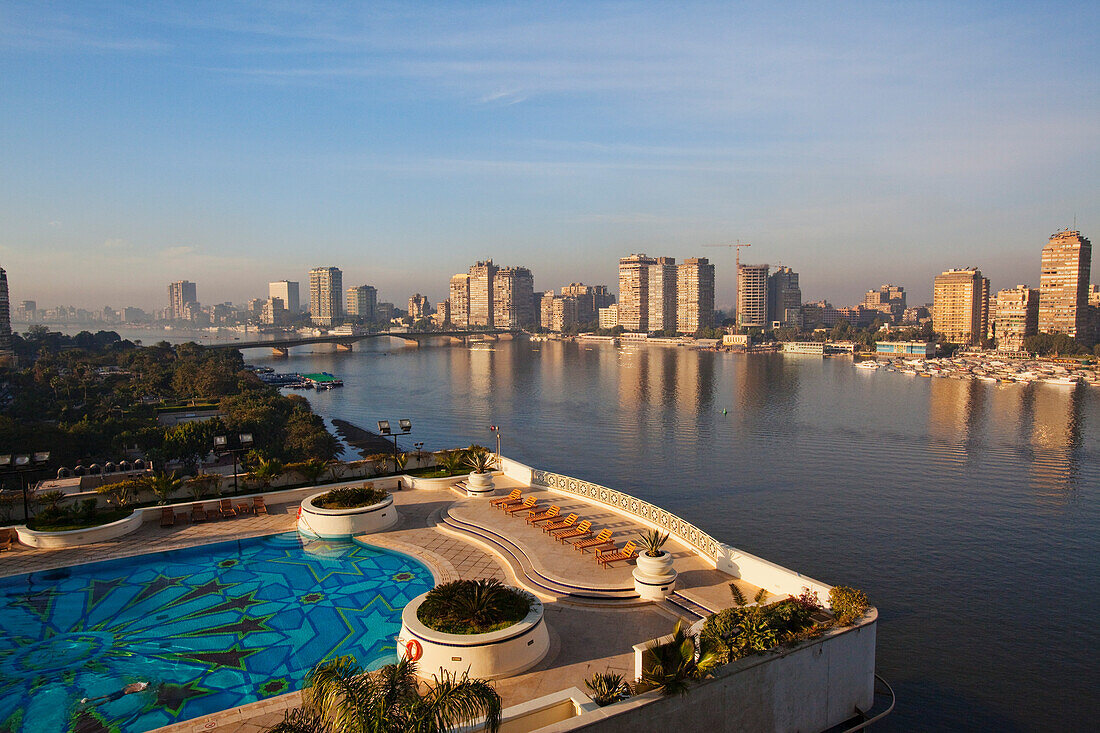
<point x="243" y="508"/>
<point x="258" y="505"/>
<point x="566" y="523"/>
<point x="167" y="517"/>
<point x="513" y="496"/>
<point x="513" y="503"/>
<point x="605" y="558"/>
<point x="529" y="503"/>
<point x="198" y="514"/>
<point x="7" y="536"/>
<point x="225" y="506"/>
<point x="603" y="538"/>
<point x="546" y="516"/>
<point x="584" y="529"/>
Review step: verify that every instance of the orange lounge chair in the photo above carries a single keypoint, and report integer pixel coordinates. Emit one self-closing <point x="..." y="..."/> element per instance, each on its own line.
<point x="566" y="523"/>
<point x="258" y="505"/>
<point x="583" y="529"/>
<point x="603" y="538"/>
<point x="528" y="503"/>
<point x="501" y="501"/>
<point x="536" y="517"/>
<point x="198" y="514"/>
<point x="167" y="517"/>
<point x="225" y="506"/>
<point x="605" y="558"/>
<point x="513" y="503"/>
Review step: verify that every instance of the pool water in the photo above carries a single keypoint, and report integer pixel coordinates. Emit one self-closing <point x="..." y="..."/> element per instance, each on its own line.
<point x="208" y="628"/>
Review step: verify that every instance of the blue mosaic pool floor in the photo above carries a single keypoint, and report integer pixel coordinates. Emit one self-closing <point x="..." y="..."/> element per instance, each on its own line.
<point x="209" y="628"/>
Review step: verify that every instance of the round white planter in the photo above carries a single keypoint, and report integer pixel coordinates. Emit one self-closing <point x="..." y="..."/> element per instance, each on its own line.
<point x="77" y="537"/>
<point x="479" y="484"/>
<point x="654" y="577"/>
<point x="503" y="653"/>
<point x="330" y="524"/>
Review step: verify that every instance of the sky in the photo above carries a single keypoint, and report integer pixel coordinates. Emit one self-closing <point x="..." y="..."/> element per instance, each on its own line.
<point x="235" y="143"/>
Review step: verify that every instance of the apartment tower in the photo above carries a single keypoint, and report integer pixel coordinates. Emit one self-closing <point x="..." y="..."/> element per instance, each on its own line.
<point x="634" y="292"/>
<point x="662" y="295"/>
<point x="362" y="303"/>
<point x="326" y="291"/>
<point x="181" y="295"/>
<point x="460" y="300"/>
<point x="287" y="291"/>
<point x="784" y="296"/>
<point x="752" y="296"/>
<point x="694" y="295"/>
<point x="960" y="306"/>
<point x="481" y="293"/>
<point x="513" y="304"/>
<point x="5" y="315"/>
<point x="1064" y="285"/>
<point x="1017" y="317"/>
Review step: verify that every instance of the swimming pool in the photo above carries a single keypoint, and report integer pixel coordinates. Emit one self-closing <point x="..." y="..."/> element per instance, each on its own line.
<point x="209" y="628"/>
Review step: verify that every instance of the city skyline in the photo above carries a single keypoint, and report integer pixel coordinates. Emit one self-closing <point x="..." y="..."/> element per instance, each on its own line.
<point x="407" y="142"/>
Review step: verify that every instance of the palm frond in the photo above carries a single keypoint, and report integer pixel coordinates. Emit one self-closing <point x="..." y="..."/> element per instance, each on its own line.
<point x="453" y="700"/>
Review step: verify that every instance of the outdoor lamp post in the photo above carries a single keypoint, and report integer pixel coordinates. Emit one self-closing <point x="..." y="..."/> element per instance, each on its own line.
<point x="384" y="428"/>
<point x="221" y="447"/>
<point x="419" y="451"/>
<point x="496" y="430"/>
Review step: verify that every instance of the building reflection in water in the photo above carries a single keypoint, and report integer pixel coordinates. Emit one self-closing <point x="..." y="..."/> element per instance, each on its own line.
<point x="1057" y="417"/>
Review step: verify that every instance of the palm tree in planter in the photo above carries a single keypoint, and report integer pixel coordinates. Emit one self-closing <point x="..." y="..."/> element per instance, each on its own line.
<point x="481" y="477"/>
<point x="654" y="575"/>
<point x="670" y="665"/>
<point x="342" y="697"/>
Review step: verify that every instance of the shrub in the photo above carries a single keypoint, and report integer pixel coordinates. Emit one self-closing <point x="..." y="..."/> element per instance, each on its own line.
<point x="351" y="497"/>
<point x="473" y="606"/>
<point x="653" y="541"/>
<point x="607" y="687"/>
<point x="122" y="493"/>
<point x="87" y="509"/>
<point x="808" y="599"/>
<point x="848" y="604"/>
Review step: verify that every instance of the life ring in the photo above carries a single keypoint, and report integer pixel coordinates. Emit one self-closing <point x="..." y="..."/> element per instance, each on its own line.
<point x="299" y="511"/>
<point x="413" y="650"/>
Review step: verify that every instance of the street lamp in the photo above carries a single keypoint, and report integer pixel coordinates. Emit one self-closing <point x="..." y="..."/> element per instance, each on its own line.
<point x="221" y="447"/>
<point x="496" y="429"/>
<point x="384" y="428"/>
<point x="419" y="450"/>
<point x="22" y="464"/>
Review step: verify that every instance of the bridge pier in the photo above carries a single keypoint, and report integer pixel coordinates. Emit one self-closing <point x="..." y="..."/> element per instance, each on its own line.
<point x="280" y="351"/>
<point x="343" y="346"/>
<point x="415" y="343"/>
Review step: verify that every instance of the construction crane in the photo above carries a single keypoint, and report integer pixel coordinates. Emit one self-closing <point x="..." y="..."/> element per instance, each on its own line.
<point x="737" y="260"/>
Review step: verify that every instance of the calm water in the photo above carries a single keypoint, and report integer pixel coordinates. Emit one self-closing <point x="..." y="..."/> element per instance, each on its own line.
<point x="208" y="628"/>
<point x="967" y="511"/>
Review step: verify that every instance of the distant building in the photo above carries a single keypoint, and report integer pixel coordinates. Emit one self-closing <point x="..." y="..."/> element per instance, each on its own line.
<point x="273" y="312"/>
<point x="255" y="309"/>
<point x="546" y="309"/>
<point x="326" y="291"/>
<point x="512" y="303"/>
<point x="634" y="292"/>
<point x="1064" y="285"/>
<point x="362" y="302"/>
<point x="181" y="294"/>
<point x="921" y="349"/>
<point x="662" y="294"/>
<point x="752" y="296"/>
<point x="960" y="306"/>
<point x="27" y="311"/>
<point x="590" y="298"/>
<point x="5" y="317"/>
<point x="481" y="293"/>
<point x="784" y="297"/>
<point x="419" y="307"/>
<point x="1093" y="292"/>
<point x="609" y="316"/>
<point x="694" y="295"/>
<point x="133" y="315"/>
<point x="385" y="312"/>
<point x="460" y="300"/>
<point x="442" y="317"/>
<point x="563" y="313"/>
<point x="888" y="300"/>
<point x="1017" y="317"/>
<point x="287" y="291"/>
<point x="820" y="314"/>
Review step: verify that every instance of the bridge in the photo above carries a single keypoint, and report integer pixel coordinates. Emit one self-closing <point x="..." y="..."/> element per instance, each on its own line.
<point x="344" y="342"/>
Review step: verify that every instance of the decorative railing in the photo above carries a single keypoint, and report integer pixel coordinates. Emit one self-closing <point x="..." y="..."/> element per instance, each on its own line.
<point x="649" y="513"/>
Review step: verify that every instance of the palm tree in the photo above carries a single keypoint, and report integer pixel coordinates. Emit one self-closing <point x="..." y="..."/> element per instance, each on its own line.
<point x="341" y="697"/>
<point x="451" y="460"/>
<point x="669" y="665"/>
<point x="164" y="485"/>
<point x="267" y="471"/>
<point x="312" y="470"/>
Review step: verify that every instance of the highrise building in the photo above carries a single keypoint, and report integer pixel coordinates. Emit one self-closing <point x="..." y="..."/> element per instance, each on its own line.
<point x="286" y="291"/>
<point x="960" y="306"/>
<point x="609" y="316"/>
<point x="634" y="292"/>
<point x="1064" y="285"/>
<point x="784" y="296"/>
<point x="482" y="275"/>
<point x="590" y="298"/>
<point x="512" y="301"/>
<point x="460" y="300"/>
<point x="442" y="315"/>
<point x="28" y="310"/>
<point x="362" y="303"/>
<point x="662" y="295"/>
<point x="419" y="307"/>
<point x="752" y="296"/>
<point x="181" y="294"/>
<point x="1017" y="317"/>
<point x="1093" y="292"/>
<point x="694" y="295"/>
<point x="326" y="291"/>
<point x="273" y="312"/>
<point x="546" y="309"/>
<point x="5" y="316"/>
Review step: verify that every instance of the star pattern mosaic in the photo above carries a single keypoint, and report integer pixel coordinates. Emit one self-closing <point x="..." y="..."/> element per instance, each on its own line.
<point x="208" y="628"/>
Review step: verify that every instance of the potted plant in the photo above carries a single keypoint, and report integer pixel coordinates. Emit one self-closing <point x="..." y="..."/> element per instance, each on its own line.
<point x="654" y="576"/>
<point x="481" y="477"/>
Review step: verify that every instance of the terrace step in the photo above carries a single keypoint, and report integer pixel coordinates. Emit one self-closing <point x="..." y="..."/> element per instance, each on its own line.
<point x="525" y="569"/>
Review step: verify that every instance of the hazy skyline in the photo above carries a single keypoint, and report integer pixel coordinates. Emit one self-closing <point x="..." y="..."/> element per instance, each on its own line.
<point x="232" y="145"/>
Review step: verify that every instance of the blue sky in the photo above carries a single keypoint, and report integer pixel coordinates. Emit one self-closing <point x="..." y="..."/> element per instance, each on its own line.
<point x="230" y="144"/>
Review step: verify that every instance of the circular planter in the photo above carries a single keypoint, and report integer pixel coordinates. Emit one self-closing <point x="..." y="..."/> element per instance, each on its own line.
<point x="479" y="484"/>
<point x="503" y="653"/>
<point x="654" y="577"/>
<point x="330" y="524"/>
<point x="77" y="537"/>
